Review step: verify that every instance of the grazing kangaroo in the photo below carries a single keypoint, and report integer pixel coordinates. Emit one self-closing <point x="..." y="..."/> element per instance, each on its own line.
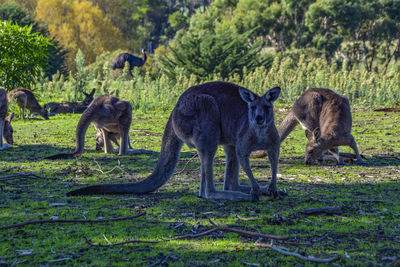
<point x="71" y="107"/>
<point x="26" y="100"/>
<point x="6" y="131"/>
<point x="205" y="116"/>
<point x="110" y="115"/>
<point x="326" y="118"/>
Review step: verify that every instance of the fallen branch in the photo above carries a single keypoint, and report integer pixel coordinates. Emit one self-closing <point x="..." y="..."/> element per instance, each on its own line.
<point x="189" y="236"/>
<point x="70" y="221"/>
<point x="23" y="175"/>
<point x="107" y="172"/>
<point x="324" y="210"/>
<point x="384" y="157"/>
<point x="284" y="251"/>
<point x="187" y="163"/>
<point x="319" y="200"/>
<point x="388" y="109"/>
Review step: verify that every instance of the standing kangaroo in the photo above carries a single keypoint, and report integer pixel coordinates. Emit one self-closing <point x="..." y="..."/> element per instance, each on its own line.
<point x="6" y="131"/>
<point x="26" y="100"/>
<point x="110" y="115"/>
<point x="326" y="118"/>
<point x="205" y="116"/>
<point x="71" y="107"/>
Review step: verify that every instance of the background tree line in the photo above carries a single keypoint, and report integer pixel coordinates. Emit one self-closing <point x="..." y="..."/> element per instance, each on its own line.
<point x="224" y="37"/>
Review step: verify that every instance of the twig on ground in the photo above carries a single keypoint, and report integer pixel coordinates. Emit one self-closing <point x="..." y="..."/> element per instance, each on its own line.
<point x="324" y="210"/>
<point x="384" y="157"/>
<point x="24" y="175"/>
<point x="162" y="260"/>
<point x="184" y="167"/>
<point x="70" y="221"/>
<point x="107" y="172"/>
<point x="213" y="223"/>
<point x="284" y="251"/>
<point x="246" y="219"/>
<point x="108" y="241"/>
<point x="319" y="200"/>
<point x="216" y="229"/>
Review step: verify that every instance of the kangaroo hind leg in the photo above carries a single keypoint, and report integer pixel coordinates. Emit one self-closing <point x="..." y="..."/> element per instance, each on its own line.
<point x="205" y="136"/>
<point x="207" y="188"/>
<point x="124" y="140"/>
<point x="108" y="148"/>
<point x="2" y="121"/>
<point x="353" y="145"/>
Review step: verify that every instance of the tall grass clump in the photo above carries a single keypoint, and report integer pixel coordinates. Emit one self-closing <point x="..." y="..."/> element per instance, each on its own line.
<point x="147" y="92"/>
<point x="360" y="86"/>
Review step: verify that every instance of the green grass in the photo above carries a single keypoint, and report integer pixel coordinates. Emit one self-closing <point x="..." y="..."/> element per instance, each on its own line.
<point x="366" y="233"/>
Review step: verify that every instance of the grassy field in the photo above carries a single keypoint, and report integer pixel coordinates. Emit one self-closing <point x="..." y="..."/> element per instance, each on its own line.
<point x="366" y="232"/>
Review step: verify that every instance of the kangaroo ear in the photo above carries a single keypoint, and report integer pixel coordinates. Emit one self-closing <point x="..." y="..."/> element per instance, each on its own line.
<point x="10" y="117"/>
<point x="246" y="95"/>
<point x="92" y="92"/>
<point x="317" y="134"/>
<point x="308" y="134"/>
<point x="272" y="94"/>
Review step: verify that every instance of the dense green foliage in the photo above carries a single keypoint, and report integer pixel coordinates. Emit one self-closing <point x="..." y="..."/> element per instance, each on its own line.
<point x="23" y="55"/>
<point x="17" y="14"/>
<point x="356" y="32"/>
<point x="207" y="52"/>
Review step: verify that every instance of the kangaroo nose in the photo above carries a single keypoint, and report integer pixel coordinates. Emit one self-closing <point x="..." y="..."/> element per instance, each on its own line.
<point x="259" y="119"/>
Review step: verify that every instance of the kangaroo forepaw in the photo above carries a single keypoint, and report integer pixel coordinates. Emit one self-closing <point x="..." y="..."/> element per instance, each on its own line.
<point x="282" y="194"/>
<point x="256" y="191"/>
<point x="277" y="194"/>
<point x="5" y="146"/>
<point x="361" y="162"/>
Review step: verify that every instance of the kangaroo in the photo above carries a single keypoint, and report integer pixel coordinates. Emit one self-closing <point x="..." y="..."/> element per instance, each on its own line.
<point x="110" y="115"/>
<point x="205" y="116"/>
<point x="6" y="130"/>
<point x="326" y="118"/>
<point x="113" y="138"/>
<point x="26" y="100"/>
<point x="70" y="107"/>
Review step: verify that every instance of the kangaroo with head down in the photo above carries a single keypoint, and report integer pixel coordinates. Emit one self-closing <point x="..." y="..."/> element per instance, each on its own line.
<point x="205" y="116"/>
<point x="326" y="118"/>
<point x="26" y="100"/>
<point x="110" y="115"/>
<point x="6" y="130"/>
<point x="71" y="107"/>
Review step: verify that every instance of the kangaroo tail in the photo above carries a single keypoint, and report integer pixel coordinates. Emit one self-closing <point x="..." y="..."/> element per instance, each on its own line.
<point x="167" y="161"/>
<point x="61" y="156"/>
<point x="81" y="128"/>
<point x="287" y="125"/>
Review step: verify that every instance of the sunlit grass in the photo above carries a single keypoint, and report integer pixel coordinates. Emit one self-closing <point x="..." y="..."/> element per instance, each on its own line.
<point x="365" y="230"/>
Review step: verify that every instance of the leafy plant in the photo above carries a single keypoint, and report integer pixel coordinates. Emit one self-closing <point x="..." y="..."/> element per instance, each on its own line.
<point x="17" y="14"/>
<point x="23" y="55"/>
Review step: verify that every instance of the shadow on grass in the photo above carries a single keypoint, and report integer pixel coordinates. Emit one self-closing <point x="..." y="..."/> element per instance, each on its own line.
<point x="370" y="161"/>
<point x="36" y="153"/>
